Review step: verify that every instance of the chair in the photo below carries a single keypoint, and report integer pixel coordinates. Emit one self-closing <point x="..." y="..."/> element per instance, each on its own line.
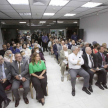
<point x="31" y="90"/>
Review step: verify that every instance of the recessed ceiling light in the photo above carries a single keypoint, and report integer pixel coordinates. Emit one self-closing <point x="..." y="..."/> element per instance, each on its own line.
<point x="42" y="21"/>
<point x="59" y="21"/>
<point x="91" y="4"/>
<point x="58" y="2"/>
<point x="75" y="22"/>
<point x="24" y="14"/>
<point x="49" y="14"/>
<point x="69" y="14"/>
<point x="19" y="2"/>
<point x="3" y="23"/>
<point x="22" y="22"/>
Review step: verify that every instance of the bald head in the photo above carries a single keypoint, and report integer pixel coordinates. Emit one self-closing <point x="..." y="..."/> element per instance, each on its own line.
<point x="64" y="47"/>
<point x="88" y="50"/>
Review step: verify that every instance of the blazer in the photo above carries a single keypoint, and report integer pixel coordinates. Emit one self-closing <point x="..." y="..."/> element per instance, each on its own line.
<point x="7" y="69"/>
<point x="24" y="69"/>
<point x="55" y="48"/>
<point x="62" y="55"/>
<point x="99" y="59"/>
<point x="86" y="66"/>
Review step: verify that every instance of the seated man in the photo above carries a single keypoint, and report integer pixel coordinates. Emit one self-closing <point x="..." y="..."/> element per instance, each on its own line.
<point x="101" y="63"/>
<point x="75" y="61"/>
<point x="64" y="60"/>
<point x="5" y="77"/>
<point x="73" y="44"/>
<point x="21" y="77"/>
<point x="14" y="49"/>
<point x="89" y="65"/>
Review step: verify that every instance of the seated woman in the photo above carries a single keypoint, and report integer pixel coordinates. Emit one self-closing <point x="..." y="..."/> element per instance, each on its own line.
<point x="95" y="50"/>
<point x="36" y="50"/>
<point x="9" y="57"/>
<point x="37" y="70"/>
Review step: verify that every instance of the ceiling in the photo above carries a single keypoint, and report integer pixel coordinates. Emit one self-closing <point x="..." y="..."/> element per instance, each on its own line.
<point x="8" y="11"/>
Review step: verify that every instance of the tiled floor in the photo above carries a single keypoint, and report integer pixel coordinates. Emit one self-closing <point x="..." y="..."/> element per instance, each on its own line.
<point x="60" y="92"/>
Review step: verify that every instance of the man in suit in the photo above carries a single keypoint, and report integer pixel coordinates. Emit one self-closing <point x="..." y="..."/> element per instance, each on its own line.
<point x="89" y="65"/>
<point x="20" y="77"/>
<point x="61" y="47"/>
<point x="55" y="48"/>
<point x="101" y="63"/>
<point x="2" y="52"/>
<point x="64" y="60"/>
<point x="5" y="77"/>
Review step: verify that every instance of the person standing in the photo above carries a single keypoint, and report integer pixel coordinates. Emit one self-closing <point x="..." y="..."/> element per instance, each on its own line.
<point x="45" y="41"/>
<point x="74" y="37"/>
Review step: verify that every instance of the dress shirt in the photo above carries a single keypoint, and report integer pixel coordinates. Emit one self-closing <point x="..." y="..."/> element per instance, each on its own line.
<point x="73" y="59"/>
<point x="66" y="55"/>
<point x="89" y="61"/>
<point x="3" y="70"/>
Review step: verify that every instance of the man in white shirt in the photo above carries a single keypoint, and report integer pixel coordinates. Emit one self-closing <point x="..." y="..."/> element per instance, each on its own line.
<point x="75" y="61"/>
<point x="64" y="60"/>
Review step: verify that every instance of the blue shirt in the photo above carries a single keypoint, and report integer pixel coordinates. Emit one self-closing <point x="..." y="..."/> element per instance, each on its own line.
<point x="74" y="37"/>
<point x="102" y="58"/>
<point x="9" y="48"/>
<point x="3" y="70"/>
<point x="44" y="39"/>
<point x="15" y="51"/>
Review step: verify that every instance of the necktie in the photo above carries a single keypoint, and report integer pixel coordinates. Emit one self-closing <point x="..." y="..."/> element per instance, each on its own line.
<point x="103" y="57"/>
<point x="91" y="61"/>
<point x="1" y="72"/>
<point x="19" y="68"/>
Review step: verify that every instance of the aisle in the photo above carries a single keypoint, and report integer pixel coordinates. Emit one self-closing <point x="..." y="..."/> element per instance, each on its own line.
<point x="60" y="92"/>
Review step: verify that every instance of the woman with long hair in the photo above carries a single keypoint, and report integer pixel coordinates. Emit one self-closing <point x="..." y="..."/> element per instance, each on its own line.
<point x="37" y="70"/>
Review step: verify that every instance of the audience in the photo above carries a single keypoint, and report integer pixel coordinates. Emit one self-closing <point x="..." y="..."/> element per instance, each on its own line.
<point x="37" y="70"/>
<point x="20" y="60"/>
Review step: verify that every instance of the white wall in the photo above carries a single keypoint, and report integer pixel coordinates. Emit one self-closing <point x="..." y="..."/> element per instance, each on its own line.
<point x="95" y="28"/>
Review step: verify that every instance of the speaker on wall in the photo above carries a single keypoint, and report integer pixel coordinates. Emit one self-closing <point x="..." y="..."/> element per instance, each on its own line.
<point x="80" y="33"/>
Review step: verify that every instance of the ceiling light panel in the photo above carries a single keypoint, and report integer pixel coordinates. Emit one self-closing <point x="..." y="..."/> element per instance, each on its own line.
<point x="19" y="2"/>
<point x="58" y="2"/>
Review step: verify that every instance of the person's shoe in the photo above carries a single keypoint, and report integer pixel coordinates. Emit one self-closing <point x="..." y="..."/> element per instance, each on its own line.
<point x="73" y="92"/>
<point x="62" y="79"/>
<point x="6" y="102"/>
<point x="42" y="103"/>
<point x="17" y="103"/>
<point x="26" y="100"/>
<point x="90" y="88"/>
<point x="99" y="85"/>
<point x="85" y="89"/>
<point x="105" y="86"/>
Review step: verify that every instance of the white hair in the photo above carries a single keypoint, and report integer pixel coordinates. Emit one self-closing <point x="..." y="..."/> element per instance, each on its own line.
<point x="73" y="48"/>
